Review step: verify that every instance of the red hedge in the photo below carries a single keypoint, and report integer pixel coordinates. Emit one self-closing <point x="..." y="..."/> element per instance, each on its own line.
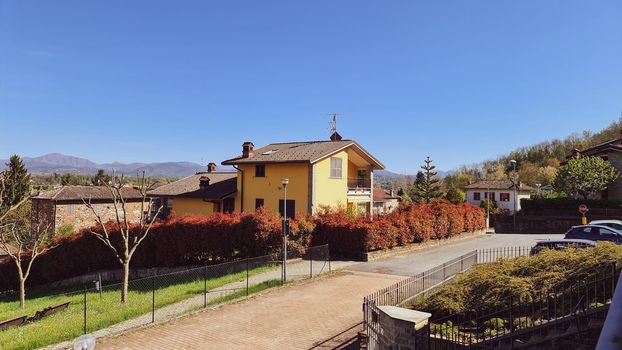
<point x="192" y="239"/>
<point x="350" y="237"/>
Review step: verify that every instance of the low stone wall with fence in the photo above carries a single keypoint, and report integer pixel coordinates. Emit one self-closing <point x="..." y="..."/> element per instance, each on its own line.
<point x="389" y="326"/>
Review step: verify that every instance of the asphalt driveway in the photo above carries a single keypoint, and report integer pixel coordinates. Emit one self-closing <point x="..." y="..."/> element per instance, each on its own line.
<point x="418" y="261"/>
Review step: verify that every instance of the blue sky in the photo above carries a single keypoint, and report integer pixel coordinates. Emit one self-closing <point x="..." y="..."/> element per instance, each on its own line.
<point x="460" y="81"/>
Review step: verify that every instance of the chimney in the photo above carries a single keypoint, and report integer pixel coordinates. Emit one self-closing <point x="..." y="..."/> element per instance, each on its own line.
<point x="576" y="153"/>
<point x="335" y="137"/>
<point x="211" y="167"/>
<point x="247" y="149"/>
<point x="203" y="182"/>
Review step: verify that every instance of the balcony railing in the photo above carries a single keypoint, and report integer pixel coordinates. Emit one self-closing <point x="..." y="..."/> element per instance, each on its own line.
<point x="359" y="184"/>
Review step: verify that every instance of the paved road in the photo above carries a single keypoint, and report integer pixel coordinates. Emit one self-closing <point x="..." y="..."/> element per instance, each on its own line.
<point x="418" y="261"/>
<point x="302" y="315"/>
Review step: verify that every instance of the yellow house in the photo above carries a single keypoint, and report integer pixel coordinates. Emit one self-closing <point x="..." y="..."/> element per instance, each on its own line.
<point x="333" y="173"/>
<point x="202" y="193"/>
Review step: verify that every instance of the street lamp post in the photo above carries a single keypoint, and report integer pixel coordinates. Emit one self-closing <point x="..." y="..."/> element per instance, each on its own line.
<point x="513" y="162"/>
<point x="285" y="182"/>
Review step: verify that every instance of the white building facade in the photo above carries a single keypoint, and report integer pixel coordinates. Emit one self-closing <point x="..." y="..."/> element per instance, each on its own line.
<point x="504" y="193"/>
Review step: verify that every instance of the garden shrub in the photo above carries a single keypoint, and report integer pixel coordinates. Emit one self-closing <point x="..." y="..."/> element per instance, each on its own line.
<point x="487" y="287"/>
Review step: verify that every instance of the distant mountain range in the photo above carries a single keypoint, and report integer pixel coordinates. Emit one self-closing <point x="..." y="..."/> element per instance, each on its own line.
<point x="60" y="163"/>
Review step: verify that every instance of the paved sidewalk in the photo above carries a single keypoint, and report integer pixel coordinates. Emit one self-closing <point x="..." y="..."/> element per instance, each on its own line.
<point x="294" y="317"/>
<point x="297" y="270"/>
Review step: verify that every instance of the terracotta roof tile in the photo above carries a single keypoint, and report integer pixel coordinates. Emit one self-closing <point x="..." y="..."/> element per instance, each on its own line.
<point x="497" y="185"/>
<point x="308" y="152"/>
<point x="76" y="193"/>
<point x="221" y="184"/>
<point x="382" y="195"/>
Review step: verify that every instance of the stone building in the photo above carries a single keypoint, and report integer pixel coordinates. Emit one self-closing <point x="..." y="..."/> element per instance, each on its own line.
<point x="64" y="207"/>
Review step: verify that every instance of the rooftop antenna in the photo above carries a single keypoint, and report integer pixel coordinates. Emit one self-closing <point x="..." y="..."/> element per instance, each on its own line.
<point x="332" y="125"/>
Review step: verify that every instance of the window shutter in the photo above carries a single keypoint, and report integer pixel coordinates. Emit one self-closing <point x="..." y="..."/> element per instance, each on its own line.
<point x="336" y="167"/>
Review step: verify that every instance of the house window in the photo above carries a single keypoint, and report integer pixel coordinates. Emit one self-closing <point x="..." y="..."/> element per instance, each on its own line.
<point x="504" y="197"/>
<point x="70" y="210"/>
<point x="228" y="205"/>
<point x="260" y="170"/>
<point x="258" y="203"/>
<point x="476" y="196"/>
<point x="291" y="208"/>
<point x="335" y="167"/>
<point x="492" y="195"/>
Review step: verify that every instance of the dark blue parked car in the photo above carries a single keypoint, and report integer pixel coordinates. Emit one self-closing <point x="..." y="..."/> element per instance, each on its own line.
<point x="594" y="233"/>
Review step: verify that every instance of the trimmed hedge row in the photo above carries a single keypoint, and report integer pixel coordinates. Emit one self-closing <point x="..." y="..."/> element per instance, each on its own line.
<point x="349" y="238"/>
<point x="196" y="240"/>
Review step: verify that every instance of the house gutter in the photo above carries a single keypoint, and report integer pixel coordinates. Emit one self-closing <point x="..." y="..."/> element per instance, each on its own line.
<point x="241" y="187"/>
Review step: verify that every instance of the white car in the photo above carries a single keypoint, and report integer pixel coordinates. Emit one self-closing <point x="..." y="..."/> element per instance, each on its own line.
<point x="616" y="224"/>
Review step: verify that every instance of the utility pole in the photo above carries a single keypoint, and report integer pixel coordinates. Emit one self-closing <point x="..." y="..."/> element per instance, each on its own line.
<point x="513" y="162"/>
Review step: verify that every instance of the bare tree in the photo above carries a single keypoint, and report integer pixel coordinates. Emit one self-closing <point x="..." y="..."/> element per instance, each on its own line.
<point x="130" y="236"/>
<point x="19" y="240"/>
<point x="23" y="244"/>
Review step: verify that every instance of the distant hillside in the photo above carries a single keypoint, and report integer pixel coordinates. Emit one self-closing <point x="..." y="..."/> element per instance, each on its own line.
<point x="538" y="163"/>
<point x="391" y="175"/>
<point x="60" y="163"/>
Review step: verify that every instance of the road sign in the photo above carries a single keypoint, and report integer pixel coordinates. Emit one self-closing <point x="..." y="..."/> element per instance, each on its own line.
<point x="583" y="209"/>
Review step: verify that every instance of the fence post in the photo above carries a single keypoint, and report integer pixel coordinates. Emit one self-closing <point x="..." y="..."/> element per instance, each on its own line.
<point x="153" y="296"/>
<point x="101" y="286"/>
<point x="205" y="285"/>
<point x="310" y="262"/>
<point x="329" y="269"/>
<point x="512" y="317"/>
<point x="246" y="276"/>
<point x="84" y="328"/>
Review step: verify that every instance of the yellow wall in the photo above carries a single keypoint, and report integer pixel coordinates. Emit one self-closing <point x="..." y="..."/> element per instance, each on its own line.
<point x="270" y="189"/>
<point x="352" y="170"/>
<point x="329" y="191"/>
<point x="192" y="206"/>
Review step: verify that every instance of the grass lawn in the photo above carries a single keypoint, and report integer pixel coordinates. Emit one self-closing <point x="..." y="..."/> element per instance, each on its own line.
<point x="106" y="310"/>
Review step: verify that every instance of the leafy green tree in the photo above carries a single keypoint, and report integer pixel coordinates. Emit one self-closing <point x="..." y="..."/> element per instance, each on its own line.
<point x="16" y="182"/>
<point x="455" y="195"/>
<point x="585" y="176"/>
<point x="69" y="179"/>
<point x="427" y="184"/>
<point x="100" y="178"/>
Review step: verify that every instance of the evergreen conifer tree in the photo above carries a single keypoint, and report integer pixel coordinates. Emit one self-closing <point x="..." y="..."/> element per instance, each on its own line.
<point x="16" y="181"/>
<point x="427" y="184"/>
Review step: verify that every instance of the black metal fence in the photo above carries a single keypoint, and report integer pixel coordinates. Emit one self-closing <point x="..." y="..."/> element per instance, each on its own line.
<point x="417" y="285"/>
<point x="98" y="306"/>
<point x="410" y="288"/>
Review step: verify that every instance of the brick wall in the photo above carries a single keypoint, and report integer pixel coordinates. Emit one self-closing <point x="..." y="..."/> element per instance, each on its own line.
<point x="42" y="213"/>
<point x="79" y="216"/>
